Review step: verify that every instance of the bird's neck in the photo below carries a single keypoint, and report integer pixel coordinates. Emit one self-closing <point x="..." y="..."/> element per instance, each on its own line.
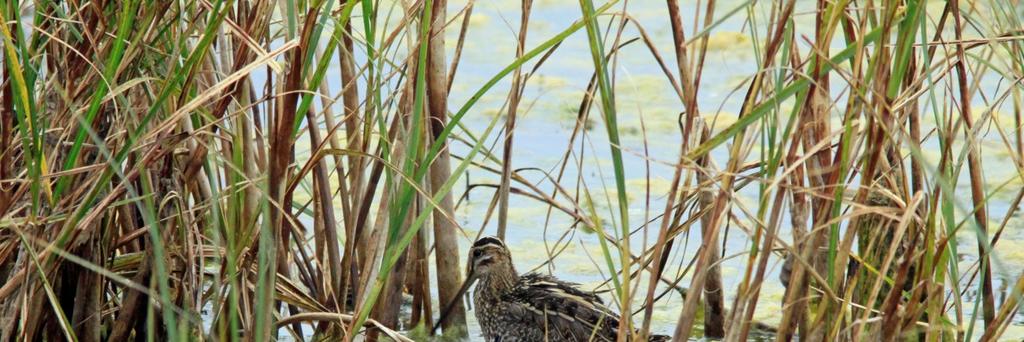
<point x="499" y="281"/>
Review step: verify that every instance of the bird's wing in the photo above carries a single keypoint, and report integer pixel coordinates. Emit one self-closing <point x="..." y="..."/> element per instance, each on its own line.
<point x="562" y="309"/>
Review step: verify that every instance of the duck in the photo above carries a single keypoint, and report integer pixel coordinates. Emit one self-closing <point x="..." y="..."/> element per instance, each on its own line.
<point x="513" y="307"/>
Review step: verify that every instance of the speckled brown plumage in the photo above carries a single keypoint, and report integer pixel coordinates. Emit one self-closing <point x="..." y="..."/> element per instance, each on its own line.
<point x="533" y="307"/>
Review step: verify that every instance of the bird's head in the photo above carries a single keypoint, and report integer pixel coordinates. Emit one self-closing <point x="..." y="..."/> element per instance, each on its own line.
<point x="489" y="260"/>
<point x="488" y="256"/>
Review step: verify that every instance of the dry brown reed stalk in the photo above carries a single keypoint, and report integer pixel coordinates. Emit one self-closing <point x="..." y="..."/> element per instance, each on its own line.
<point x="709" y="235"/>
<point x="711" y="229"/>
<point x="973" y="166"/>
<point x="446" y="252"/>
<point x="514" y="96"/>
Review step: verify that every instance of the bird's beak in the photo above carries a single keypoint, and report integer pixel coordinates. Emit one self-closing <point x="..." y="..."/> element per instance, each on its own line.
<point x="471" y="277"/>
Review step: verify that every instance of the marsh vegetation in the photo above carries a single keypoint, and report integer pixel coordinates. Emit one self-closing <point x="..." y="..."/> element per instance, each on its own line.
<point x="316" y="169"/>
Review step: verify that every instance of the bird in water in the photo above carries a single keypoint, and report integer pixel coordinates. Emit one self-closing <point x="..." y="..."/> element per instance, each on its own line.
<point x="532" y="307"/>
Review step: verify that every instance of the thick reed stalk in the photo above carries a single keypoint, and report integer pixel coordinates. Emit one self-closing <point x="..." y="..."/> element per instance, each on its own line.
<point x="446" y="246"/>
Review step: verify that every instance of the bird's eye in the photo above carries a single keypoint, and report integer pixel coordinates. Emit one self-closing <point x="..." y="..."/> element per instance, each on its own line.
<point x="477" y="253"/>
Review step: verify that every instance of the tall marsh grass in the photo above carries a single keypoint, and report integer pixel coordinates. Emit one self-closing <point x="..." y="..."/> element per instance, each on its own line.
<point x="291" y="169"/>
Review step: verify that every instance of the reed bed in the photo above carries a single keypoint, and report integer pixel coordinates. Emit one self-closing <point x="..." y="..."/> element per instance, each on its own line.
<point x="292" y="169"/>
